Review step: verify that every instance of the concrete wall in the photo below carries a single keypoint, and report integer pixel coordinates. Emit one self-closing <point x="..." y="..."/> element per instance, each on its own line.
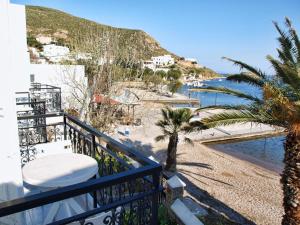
<point x="71" y="79"/>
<point x="13" y="59"/>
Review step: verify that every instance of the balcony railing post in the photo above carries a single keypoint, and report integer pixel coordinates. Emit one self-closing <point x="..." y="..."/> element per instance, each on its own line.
<point x="155" y="198"/>
<point x="65" y="127"/>
<point x="93" y="146"/>
<point x="93" y="154"/>
<point x="60" y="99"/>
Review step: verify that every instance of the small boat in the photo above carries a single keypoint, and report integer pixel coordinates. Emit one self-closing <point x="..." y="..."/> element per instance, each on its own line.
<point x="198" y="84"/>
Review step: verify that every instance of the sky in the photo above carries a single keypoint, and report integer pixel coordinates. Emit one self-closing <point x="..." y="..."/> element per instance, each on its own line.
<point x="202" y="29"/>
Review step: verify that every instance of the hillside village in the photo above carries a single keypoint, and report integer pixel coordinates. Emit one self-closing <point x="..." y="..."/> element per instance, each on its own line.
<point x="55" y="37"/>
<point x="45" y="49"/>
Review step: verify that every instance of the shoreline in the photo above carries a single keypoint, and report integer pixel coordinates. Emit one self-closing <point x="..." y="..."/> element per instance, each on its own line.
<point x="271" y="167"/>
<point x="212" y="136"/>
<point x="246" y="189"/>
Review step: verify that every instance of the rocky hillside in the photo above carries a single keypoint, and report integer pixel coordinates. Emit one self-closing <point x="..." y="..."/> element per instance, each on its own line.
<point x="64" y="28"/>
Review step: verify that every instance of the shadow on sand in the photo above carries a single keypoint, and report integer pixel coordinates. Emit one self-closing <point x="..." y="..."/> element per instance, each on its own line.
<point x="202" y="197"/>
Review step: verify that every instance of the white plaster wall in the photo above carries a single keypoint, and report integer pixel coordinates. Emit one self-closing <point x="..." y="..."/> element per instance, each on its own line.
<point x="18" y="39"/>
<point x="13" y="56"/>
<point x="71" y="79"/>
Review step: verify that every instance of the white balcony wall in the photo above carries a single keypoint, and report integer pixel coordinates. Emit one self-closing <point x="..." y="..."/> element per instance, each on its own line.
<point x="13" y="60"/>
<point x="18" y="46"/>
<point x="71" y="79"/>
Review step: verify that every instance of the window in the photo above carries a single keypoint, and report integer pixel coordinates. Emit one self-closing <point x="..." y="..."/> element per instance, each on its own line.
<point x="31" y="78"/>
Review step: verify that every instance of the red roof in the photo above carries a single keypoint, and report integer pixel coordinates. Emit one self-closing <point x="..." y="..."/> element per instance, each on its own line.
<point x="98" y="98"/>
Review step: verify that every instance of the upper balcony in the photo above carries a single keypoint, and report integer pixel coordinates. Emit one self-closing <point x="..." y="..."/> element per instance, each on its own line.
<point x="124" y="190"/>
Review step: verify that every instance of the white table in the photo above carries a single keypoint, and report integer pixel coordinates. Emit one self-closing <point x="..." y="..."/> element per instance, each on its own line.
<point x="54" y="171"/>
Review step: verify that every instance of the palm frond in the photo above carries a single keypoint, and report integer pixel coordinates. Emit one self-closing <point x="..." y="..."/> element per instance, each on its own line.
<point x="285" y="43"/>
<point x="165" y="114"/>
<point x="228" y="118"/>
<point x="162" y="123"/>
<point x="228" y="91"/>
<point x="288" y="74"/>
<point x="243" y="65"/>
<point x="189" y="141"/>
<point x="198" y="126"/>
<point x="246" y="78"/>
<point x="235" y="117"/>
<point x="281" y="55"/>
<point x="226" y="106"/>
<point x="160" y="138"/>
<point x="294" y="38"/>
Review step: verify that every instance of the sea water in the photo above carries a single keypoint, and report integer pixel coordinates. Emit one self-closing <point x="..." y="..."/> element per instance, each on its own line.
<point x="267" y="152"/>
<point x="210" y="98"/>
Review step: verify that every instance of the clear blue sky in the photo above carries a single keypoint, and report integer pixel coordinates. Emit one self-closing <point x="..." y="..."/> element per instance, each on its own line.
<point x="203" y="29"/>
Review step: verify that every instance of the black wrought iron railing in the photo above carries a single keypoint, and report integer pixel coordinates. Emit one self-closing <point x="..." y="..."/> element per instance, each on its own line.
<point x="126" y="205"/>
<point x="50" y="94"/>
<point x="128" y="183"/>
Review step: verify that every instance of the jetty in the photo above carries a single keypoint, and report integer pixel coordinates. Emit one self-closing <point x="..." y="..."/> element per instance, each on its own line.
<point x="241" y="131"/>
<point x="241" y="136"/>
<point x="236" y="132"/>
<point x="172" y="101"/>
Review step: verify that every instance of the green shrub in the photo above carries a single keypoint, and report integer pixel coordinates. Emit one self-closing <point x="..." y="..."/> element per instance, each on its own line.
<point x="163" y="217"/>
<point x="32" y="42"/>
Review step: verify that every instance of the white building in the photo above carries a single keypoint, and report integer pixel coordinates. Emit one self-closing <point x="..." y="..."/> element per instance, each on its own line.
<point x="157" y="62"/>
<point x="149" y="64"/>
<point x="56" y="53"/>
<point x="164" y="60"/>
<point x="192" y="60"/>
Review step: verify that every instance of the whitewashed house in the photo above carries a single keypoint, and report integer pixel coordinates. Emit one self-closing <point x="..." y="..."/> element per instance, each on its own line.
<point x="55" y="53"/>
<point x="165" y="60"/>
<point x="192" y="60"/>
<point x="148" y="64"/>
<point x="158" y="63"/>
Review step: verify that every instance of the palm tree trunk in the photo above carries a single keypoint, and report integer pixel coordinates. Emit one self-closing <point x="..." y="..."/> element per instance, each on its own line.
<point x="291" y="180"/>
<point x="172" y="150"/>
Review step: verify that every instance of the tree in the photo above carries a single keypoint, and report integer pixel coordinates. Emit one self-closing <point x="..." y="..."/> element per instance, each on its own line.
<point x="174" y="86"/>
<point x="106" y="67"/>
<point x="174" y="122"/>
<point x="161" y="73"/>
<point x="174" y="74"/>
<point x="278" y="106"/>
<point x="32" y="42"/>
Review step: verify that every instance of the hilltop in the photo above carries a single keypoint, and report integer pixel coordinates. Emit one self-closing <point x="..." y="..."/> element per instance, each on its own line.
<point x="64" y="27"/>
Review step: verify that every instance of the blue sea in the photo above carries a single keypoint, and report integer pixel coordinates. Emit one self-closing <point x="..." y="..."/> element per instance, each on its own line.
<point x="210" y="98"/>
<point x="267" y="152"/>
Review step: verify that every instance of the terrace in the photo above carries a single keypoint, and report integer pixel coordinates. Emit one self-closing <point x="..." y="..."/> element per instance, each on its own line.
<point x="125" y="189"/>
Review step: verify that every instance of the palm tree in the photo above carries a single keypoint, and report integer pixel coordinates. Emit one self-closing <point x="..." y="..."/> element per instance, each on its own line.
<point x="174" y="122"/>
<point x="279" y="105"/>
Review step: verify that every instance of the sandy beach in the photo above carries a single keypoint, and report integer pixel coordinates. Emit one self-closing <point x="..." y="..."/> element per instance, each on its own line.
<point x="237" y="189"/>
